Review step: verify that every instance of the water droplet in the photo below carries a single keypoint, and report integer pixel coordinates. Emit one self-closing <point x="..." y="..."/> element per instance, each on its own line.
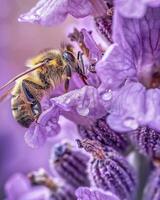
<point x="107" y="95"/>
<point x="68" y="101"/>
<point x="83" y="111"/>
<point x="131" y="123"/>
<point x="26" y="18"/>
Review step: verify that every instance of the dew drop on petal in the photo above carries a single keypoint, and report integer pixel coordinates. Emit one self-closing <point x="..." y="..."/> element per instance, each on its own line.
<point x="25" y="18"/>
<point x="68" y="101"/>
<point x="131" y="123"/>
<point x="107" y="95"/>
<point x="48" y="128"/>
<point x="110" y="81"/>
<point x="83" y="111"/>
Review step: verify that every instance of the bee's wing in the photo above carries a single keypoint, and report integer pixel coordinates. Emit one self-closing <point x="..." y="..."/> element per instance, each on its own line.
<point x="22" y="74"/>
<point x="6" y="94"/>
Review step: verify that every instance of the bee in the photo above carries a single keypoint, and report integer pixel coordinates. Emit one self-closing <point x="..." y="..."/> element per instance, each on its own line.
<point x="46" y="71"/>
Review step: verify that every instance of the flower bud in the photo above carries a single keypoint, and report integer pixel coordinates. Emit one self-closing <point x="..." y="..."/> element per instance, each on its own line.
<point x="70" y="164"/>
<point x="100" y="131"/>
<point x="115" y="174"/>
<point x="147" y="142"/>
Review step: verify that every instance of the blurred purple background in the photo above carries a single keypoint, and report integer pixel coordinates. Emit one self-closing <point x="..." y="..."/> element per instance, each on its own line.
<point x="19" y="42"/>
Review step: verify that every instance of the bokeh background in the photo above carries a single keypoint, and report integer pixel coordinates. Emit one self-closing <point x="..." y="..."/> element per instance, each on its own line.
<point x="18" y="42"/>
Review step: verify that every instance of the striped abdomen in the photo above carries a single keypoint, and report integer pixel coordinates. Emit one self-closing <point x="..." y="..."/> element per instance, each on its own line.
<point x="21" y="111"/>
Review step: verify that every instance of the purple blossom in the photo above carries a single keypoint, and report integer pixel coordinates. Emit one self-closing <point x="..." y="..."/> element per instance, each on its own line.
<point x="82" y="106"/>
<point x="100" y="131"/>
<point x="135" y="8"/>
<point x="95" y="53"/>
<point x="134" y="56"/>
<point x="84" y="193"/>
<point x="37" y="185"/>
<point x="52" y="12"/>
<point x="47" y="126"/>
<point x="70" y="164"/>
<point x="18" y="187"/>
<point x="114" y="173"/>
<point x="147" y="142"/>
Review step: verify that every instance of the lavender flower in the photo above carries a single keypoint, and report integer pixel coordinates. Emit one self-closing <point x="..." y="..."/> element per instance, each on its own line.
<point x="52" y="12"/>
<point x="70" y="164"/>
<point x="37" y="186"/>
<point x="147" y="141"/>
<point x="152" y="189"/>
<point x="84" y="193"/>
<point x="134" y="56"/>
<point x="100" y="131"/>
<point x="57" y="190"/>
<point x="115" y="174"/>
<point x="76" y="105"/>
<point x="18" y="187"/>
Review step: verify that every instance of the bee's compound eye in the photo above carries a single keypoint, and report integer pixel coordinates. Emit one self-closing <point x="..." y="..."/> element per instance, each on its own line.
<point x="36" y="108"/>
<point x="68" y="56"/>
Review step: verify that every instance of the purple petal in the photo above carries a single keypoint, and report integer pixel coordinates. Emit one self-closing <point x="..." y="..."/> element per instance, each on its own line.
<point x="95" y="53"/>
<point x="39" y="193"/>
<point x="134" y="106"/>
<point x="131" y="8"/>
<point x="135" y="53"/>
<point x="46" y="126"/>
<point x="81" y="105"/>
<point x="52" y="12"/>
<point x="114" y="68"/>
<point x="17" y="186"/>
<point x="134" y="8"/>
<point x="84" y="193"/>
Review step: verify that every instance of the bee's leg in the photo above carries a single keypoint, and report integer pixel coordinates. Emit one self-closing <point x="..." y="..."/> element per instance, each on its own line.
<point x="91" y="67"/>
<point x="31" y="90"/>
<point x="81" y="68"/>
<point x="80" y="59"/>
<point x="32" y="93"/>
<point x="68" y="77"/>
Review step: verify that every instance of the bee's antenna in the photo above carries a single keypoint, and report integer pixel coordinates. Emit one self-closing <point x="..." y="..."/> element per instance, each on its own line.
<point x="5" y="94"/>
<point x="22" y="74"/>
